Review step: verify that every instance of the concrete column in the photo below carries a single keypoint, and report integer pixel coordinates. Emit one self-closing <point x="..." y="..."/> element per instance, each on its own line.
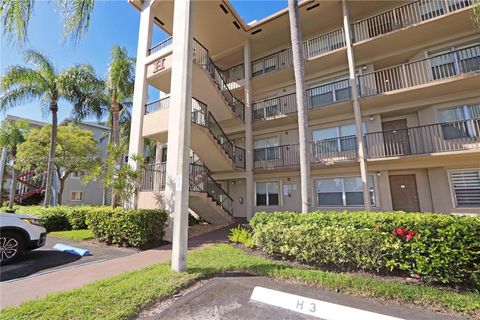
<point x="179" y="127"/>
<point x="248" y="130"/>
<point x="141" y="87"/>
<point x="356" y="107"/>
<point x="299" y="71"/>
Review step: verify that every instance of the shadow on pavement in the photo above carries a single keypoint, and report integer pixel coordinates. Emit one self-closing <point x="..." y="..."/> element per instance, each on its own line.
<point x="35" y="261"/>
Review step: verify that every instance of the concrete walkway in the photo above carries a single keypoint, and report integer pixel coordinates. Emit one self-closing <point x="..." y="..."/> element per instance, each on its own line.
<point x="17" y="292"/>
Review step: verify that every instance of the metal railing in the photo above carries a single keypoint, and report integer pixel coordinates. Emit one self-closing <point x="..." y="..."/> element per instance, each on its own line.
<point x="202" y="58"/>
<point x="276" y="157"/>
<point x="420" y="72"/>
<point x="154" y="178"/>
<point x="316" y="97"/>
<point x="324" y="43"/>
<point x="326" y="151"/>
<point x="159" y="104"/>
<point x="316" y="46"/>
<point x="404" y="16"/>
<point x="202" y="117"/>
<point x="159" y="46"/>
<point x="335" y="149"/>
<point x="440" y="137"/>
<point x="234" y="73"/>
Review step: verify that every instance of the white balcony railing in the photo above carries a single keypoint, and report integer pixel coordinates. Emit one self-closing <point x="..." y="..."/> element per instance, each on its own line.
<point x="404" y="16"/>
<point x="420" y="72"/>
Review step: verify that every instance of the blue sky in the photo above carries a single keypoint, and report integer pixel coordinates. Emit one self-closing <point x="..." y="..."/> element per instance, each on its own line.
<point x="113" y="22"/>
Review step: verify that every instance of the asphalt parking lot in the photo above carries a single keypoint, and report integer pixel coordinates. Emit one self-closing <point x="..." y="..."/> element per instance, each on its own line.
<point x="228" y="297"/>
<point x="47" y="259"/>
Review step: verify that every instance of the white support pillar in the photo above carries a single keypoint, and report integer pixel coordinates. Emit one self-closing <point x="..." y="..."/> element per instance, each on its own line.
<point x="141" y="87"/>
<point x="356" y="107"/>
<point x="3" y="163"/>
<point x="179" y="127"/>
<point x="247" y="63"/>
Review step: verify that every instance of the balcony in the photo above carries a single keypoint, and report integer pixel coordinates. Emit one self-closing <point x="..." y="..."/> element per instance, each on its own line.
<point x="404" y="16"/>
<point x="434" y="138"/>
<point x="208" y="83"/>
<point x="319" y="96"/>
<point x="322" y="152"/>
<point x="209" y="141"/>
<point x="434" y="69"/>
<point x="282" y="59"/>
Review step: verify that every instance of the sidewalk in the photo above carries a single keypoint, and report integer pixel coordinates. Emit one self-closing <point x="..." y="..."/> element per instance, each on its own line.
<point x="14" y="293"/>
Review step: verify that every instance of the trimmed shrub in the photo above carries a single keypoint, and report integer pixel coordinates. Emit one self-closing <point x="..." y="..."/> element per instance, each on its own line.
<point x="142" y="228"/>
<point x="241" y="235"/>
<point x="435" y="247"/>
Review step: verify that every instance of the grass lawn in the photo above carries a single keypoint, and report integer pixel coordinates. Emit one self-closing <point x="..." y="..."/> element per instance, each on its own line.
<point x="122" y="296"/>
<point x="77" y="235"/>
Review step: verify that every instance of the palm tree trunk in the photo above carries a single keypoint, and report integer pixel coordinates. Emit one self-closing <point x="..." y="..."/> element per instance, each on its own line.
<point x="115" y="109"/>
<point x="298" y="67"/>
<point x="105" y="171"/>
<point x="13" y="189"/>
<point x="51" y="155"/>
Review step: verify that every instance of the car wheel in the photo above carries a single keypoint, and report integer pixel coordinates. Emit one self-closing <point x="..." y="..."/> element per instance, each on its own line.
<point x="11" y="246"/>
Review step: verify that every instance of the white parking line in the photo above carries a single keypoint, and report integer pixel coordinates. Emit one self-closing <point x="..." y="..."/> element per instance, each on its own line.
<point x="312" y="307"/>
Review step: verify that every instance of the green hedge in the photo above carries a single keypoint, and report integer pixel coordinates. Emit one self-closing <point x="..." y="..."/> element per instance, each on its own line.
<point x="61" y="218"/>
<point x="139" y="228"/>
<point x="434" y="247"/>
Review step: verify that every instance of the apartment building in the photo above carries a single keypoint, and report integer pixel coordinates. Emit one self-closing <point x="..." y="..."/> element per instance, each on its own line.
<point x="412" y="68"/>
<point x="30" y="185"/>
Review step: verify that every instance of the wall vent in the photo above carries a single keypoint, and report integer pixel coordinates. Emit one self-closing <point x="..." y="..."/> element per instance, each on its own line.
<point x="313" y="7"/>
<point x="256" y="31"/>
<point x="159" y="21"/>
<point x="223" y="9"/>
<point x="236" y="25"/>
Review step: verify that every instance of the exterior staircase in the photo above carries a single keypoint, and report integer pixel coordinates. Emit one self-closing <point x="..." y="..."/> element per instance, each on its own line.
<point x="207" y="197"/>
<point x="30" y="186"/>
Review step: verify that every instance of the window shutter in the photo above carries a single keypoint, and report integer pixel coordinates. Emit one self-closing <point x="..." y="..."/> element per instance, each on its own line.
<point x="466" y="186"/>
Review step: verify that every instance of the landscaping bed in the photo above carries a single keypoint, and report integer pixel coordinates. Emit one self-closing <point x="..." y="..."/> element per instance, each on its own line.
<point x="123" y="296"/>
<point x="432" y="248"/>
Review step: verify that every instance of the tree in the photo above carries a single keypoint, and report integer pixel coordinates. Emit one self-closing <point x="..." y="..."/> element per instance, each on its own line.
<point x="12" y="134"/>
<point x="476" y="16"/>
<point x="78" y="85"/>
<point x="16" y="17"/>
<point x="76" y="151"/>
<point x="121" y="178"/>
<point x="298" y="67"/>
<point x="119" y="89"/>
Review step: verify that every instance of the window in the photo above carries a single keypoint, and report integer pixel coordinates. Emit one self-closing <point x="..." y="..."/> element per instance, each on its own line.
<point x="76" y="196"/>
<point x="267" y="193"/>
<point x="164" y="154"/>
<point x="267" y="149"/>
<point x="76" y="175"/>
<point x="342" y="192"/>
<point x="462" y="121"/>
<point x="329" y="91"/>
<point x="336" y="139"/>
<point x="455" y="60"/>
<point x="466" y="188"/>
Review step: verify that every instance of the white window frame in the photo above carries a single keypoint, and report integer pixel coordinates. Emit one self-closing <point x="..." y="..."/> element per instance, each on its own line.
<point x="453" y="195"/>
<point x="344" y="197"/>
<point x="280" y="193"/>
<point x="339" y="137"/>
<point x="70" y="196"/>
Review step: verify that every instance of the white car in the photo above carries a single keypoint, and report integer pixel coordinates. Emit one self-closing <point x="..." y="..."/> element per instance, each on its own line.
<point x="19" y="233"/>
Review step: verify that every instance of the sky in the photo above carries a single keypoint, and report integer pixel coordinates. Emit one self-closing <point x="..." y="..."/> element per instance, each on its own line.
<point x="114" y="22"/>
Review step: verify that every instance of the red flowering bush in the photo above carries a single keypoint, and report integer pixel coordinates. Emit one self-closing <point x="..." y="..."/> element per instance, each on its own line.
<point x="405" y="233"/>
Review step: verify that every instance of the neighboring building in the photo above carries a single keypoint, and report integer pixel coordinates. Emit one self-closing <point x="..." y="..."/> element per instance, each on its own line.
<point x="416" y="66"/>
<point x="76" y="192"/>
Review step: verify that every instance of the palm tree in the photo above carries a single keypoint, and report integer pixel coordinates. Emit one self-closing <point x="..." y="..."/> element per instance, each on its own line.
<point x="78" y="85"/>
<point x="16" y="17"/>
<point x="12" y="133"/>
<point x="119" y="87"/>
<point x="476" y="16"/>
<point x="298" y="67"/>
